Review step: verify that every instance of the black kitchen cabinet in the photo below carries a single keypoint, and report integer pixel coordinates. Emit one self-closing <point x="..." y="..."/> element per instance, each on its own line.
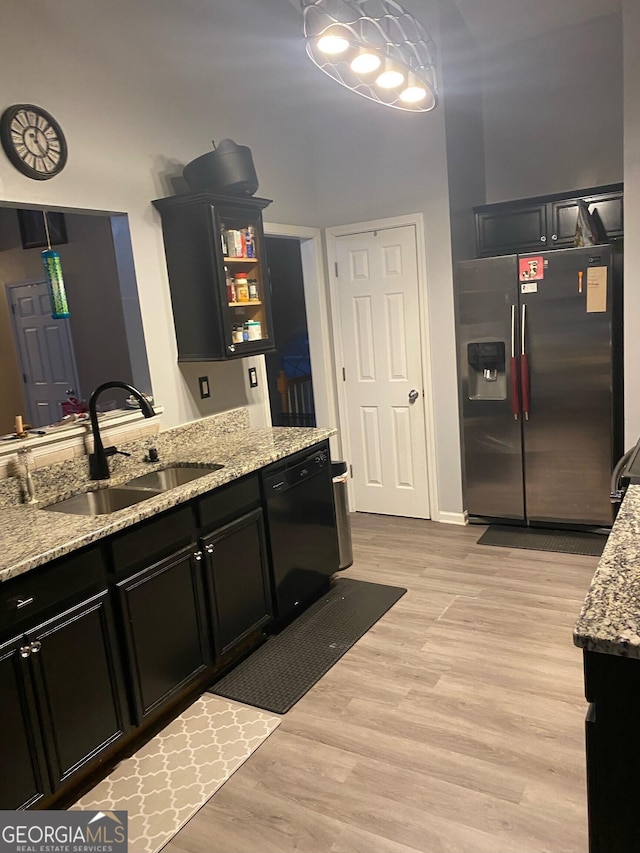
<point x="24" y="779"/>
<point x="165" y="629"/>
<point x="612" y="752"/>
<point x="237" y="577"/>
<point x="62" y="700"/>
<point x="537" y="224"/>
<point x="220" y="292"/>
<point x="62" y="693"/>
<point x="504" y="230"/>
<point x="78" y="685"/>
<point x="236" y="564"/>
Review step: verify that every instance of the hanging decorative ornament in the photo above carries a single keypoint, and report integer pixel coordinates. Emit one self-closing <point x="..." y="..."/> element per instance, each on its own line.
<point x="55" y="282"/>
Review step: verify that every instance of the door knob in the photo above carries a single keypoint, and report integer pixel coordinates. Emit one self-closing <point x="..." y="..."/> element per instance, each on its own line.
<point x="413" y="395"/>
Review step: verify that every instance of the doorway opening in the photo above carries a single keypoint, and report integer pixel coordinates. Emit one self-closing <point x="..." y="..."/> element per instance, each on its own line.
<point x="44" y="361"/>
<point x="289" y="375"/>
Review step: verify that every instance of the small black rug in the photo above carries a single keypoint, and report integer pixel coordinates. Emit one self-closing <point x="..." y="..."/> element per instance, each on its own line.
<point x="543" y="539"/>
<point x="282" y="670"/>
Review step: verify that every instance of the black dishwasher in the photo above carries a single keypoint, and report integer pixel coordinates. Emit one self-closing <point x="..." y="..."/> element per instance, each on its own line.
<point x="301" y="524"/>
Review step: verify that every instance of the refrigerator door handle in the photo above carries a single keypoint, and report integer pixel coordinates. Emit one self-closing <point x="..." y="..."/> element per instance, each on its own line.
<point x="513" y="369"/>
<point x="524" y="368"/>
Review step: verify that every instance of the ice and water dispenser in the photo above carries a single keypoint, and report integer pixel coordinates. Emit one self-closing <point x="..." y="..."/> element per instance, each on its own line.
<point x="487" y="370"/>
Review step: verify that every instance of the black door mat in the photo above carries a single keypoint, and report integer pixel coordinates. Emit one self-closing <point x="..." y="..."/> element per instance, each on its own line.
<point x="539" y="539"/>
<point x="282" y="670"/>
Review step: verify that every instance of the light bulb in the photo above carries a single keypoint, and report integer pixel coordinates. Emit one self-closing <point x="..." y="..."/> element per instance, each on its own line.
<point x="413" y="94"/>
<point x="365" y="63"/>
<point x="332" y="44"/>
<point x="390" y="79"/>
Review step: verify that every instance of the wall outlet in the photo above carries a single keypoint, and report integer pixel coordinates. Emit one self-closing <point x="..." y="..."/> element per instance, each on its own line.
<point x="253" y="377"/>
<point x="205" y="392"/>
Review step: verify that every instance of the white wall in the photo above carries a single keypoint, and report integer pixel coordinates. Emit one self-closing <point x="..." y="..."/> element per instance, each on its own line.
<point x="631" y="12"/>
<point x="553" y="112"/>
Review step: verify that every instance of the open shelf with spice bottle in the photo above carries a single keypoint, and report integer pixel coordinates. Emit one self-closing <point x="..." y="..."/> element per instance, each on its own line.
<point x="218" y="276"/>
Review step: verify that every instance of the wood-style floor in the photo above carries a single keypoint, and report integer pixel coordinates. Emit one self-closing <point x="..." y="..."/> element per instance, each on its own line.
<point x="454" y="726"/>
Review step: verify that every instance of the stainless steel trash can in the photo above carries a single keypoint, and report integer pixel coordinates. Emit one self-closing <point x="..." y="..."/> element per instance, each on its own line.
<point x="340" y="476"/>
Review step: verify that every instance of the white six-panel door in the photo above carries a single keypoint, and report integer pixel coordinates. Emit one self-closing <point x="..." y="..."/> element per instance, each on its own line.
<point x="377" y="285"/>
<point x="45" y="351"/>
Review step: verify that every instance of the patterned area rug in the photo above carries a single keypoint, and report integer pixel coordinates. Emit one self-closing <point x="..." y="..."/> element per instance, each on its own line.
<point x="165" y="783"/>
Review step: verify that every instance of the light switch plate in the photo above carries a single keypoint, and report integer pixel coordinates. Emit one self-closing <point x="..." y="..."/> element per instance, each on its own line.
<point x="205" y="391"/>
<point x="253" y="377"/>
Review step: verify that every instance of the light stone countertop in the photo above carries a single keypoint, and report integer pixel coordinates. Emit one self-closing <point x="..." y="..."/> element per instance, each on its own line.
<point x="610" y="618"/>
<point x="31" y="536"/>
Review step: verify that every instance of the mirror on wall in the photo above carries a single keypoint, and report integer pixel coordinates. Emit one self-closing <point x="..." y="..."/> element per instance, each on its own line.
<point x="45" y="361"/>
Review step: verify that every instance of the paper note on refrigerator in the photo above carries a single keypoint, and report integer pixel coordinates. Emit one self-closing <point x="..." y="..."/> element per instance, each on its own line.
<point x="596" y="290"/>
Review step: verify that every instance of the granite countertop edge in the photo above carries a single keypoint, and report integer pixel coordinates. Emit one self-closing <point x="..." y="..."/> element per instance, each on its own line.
<point x="32" y="536"/>
<point x="609" y="620"/>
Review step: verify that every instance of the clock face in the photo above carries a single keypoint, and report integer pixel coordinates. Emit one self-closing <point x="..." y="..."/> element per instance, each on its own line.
<point x="33" y="141"/>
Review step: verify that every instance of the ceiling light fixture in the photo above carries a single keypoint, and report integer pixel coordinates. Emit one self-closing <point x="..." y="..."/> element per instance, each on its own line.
<point x="332" y="44"/>
<point x="350" y="40"/>
<point x="390" y="79"/>
<point x="366" y="63"/>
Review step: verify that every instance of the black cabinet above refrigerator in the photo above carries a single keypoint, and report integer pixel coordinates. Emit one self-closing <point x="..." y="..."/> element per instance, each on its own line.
<point x="545" y="222"/>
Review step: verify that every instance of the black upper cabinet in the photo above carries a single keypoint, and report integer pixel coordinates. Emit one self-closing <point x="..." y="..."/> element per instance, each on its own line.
<point x="539" y="224"/>
<point x="505" y="230"/>
<point x="220" y="291"/>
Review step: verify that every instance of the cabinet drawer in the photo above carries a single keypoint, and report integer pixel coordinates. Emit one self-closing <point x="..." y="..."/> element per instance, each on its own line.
<point x="228" y="502"/>
<point x="152" y="540"/>
<point x="33" y="595"/>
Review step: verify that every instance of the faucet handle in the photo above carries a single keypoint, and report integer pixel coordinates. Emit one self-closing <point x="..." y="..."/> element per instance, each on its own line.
<point x="113" y="451"/>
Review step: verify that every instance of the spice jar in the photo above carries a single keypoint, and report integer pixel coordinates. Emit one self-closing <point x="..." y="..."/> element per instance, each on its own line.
<point x="231" y="288"/>
<point x="254" y="330"/>
<point x="253" y="288"/>
<point x="242" y="287"/>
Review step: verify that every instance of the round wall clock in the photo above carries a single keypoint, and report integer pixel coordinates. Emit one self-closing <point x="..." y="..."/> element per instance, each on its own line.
<point x="33" y="140"/>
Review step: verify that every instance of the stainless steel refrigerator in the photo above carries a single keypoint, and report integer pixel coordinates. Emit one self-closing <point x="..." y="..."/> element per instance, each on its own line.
<point x="540" y="370"/>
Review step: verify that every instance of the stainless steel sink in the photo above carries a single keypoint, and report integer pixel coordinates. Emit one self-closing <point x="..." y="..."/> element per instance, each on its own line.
<point x="113" y="498"/>
<point x="169" y="478"/>
<point x="102" y="501"/>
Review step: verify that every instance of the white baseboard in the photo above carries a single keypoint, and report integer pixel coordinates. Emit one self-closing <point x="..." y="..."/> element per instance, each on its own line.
<point x="453" y="517"/>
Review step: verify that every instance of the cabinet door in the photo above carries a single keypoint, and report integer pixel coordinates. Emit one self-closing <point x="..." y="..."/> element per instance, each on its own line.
<point x="165" y="629"/>
<point x="78" y="684"/>
<point x="510" y="229"/>
<point x="564" y="215"/>
<point x="24" y="779"/>
<point x="237" y="579"/>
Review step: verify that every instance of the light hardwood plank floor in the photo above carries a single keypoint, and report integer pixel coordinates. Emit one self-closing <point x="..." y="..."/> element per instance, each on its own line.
<point x="454" y="726"/>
